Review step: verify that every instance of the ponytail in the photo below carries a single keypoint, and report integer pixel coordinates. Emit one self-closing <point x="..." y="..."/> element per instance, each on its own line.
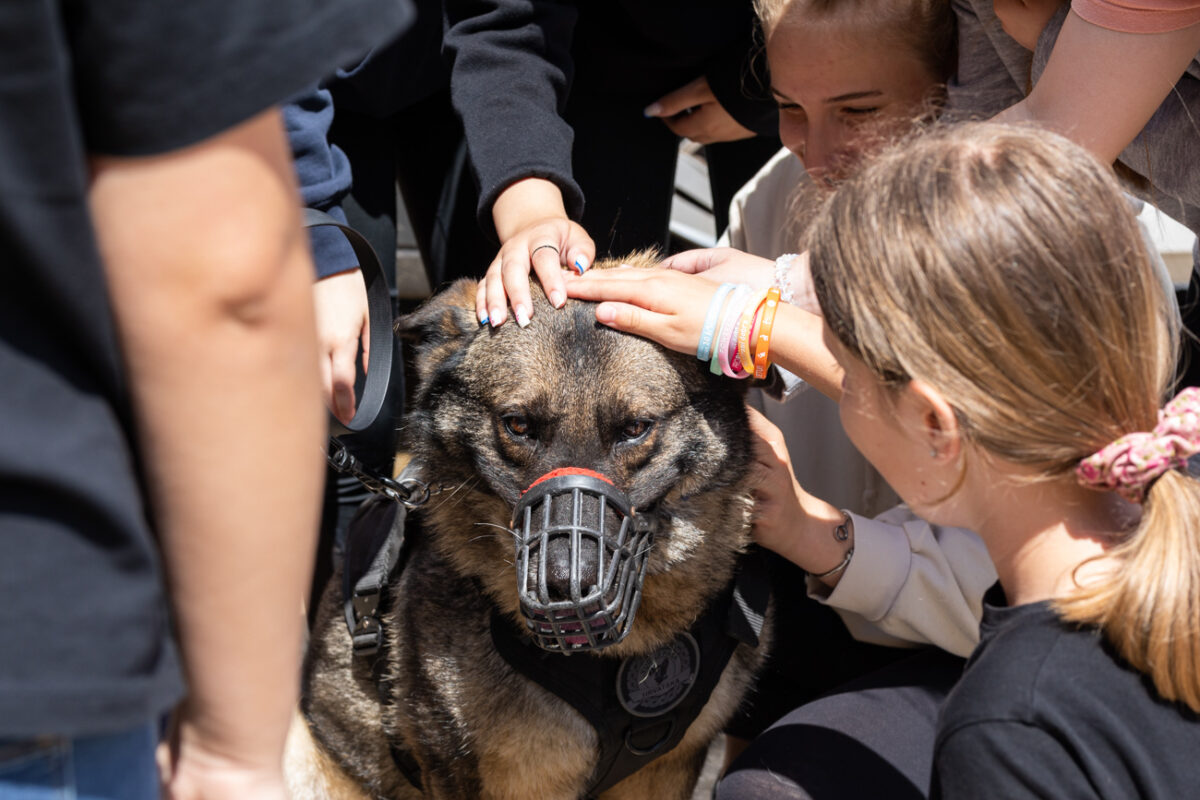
<point x="1148" y="607"/>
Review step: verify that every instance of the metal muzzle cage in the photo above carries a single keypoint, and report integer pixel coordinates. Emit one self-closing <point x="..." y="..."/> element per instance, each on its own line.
<point x="581" y="560"/>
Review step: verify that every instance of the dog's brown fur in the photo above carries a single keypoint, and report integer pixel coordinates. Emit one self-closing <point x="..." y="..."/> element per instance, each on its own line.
<point x="477" y="728"/>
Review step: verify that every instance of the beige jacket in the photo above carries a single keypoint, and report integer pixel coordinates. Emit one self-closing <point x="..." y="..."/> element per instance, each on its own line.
<point x="909" y="582"/>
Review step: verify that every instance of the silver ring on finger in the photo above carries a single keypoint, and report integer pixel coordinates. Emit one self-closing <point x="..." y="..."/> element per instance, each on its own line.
<point x="541" y="246"/>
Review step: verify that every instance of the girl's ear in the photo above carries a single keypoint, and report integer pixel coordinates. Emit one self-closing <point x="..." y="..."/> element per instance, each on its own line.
<point x="936" y="422"/>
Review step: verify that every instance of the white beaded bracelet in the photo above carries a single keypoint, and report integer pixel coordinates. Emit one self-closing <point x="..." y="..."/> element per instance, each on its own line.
<point x="783" y="276"/>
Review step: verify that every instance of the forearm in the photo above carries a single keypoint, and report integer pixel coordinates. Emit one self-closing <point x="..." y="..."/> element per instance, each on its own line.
<point x="811" y="543"/>
<point x="525" y="202"/>
<point x="798" y="345"/>
<point x="511" y="69"/>
<point x="1092" y="70"/>
<point x="210" y="281"/>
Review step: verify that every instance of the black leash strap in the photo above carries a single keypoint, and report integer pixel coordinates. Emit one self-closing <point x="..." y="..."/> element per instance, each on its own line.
<point x="379" y="310"/>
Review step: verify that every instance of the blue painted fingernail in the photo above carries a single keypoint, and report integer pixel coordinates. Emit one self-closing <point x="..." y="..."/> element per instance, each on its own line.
<point x="483" y="320"/>
<point x="652" y="110"/>
<point x="581" y="264"/>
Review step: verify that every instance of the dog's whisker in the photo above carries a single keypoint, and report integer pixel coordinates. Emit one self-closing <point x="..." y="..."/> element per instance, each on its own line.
<point x="453" y="494"/>
<point x="516" y="537"/>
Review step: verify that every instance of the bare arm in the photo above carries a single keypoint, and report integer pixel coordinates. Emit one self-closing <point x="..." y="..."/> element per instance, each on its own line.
<point x="670" y="306"/>
<point x="1100" y="87"/>
<point x="211" y="284"/>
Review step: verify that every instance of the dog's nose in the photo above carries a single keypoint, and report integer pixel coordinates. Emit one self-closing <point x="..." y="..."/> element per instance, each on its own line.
<point x="567" y="513"/>
<point x="558" y="567"/>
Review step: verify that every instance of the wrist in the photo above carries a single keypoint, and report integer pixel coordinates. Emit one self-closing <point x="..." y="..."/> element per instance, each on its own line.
<point x="843" y="533"/>
<point x="826" y="540"/>
<point x="524" y="202"/>
<point x="793" y="277"/>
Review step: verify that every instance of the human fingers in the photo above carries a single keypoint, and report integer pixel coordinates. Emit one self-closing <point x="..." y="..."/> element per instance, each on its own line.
<point x="495" y="298"/>
<point x="668" y="307"/>
<point x="708" y="123"/>
<point x="690" y="94"/>
<point x="556" y="244"/>
<point x="342" y="321"/>
<point x="579" y="248"/>
<point x="662" y="328"/>
<point x="766" y="438"/>
<point x="739" y="267"/>
<point x="342" y="374"/>
<point x="697" y="260"/>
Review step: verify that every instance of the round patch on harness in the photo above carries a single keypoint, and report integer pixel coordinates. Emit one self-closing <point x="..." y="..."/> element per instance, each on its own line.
<point x="653" y="684"/>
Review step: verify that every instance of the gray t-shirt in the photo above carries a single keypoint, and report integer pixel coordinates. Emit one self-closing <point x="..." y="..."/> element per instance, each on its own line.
<point x="994" y="72"/>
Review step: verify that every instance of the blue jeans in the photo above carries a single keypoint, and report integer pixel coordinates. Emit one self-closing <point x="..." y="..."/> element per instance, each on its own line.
<point x="118" y="766"/>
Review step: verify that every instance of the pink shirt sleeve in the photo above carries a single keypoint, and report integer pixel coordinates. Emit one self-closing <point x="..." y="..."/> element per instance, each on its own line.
<point x="1139" y="16"/>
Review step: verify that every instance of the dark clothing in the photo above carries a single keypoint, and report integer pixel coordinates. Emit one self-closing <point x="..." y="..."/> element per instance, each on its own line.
<point x="1045" y="709"/>
<point x="871" y="738"/>
<point x="83" y="612"/>
<point x="555" y="90"/>
<point x="812" y="654"/>
<point x="393" y="123"/>
<point x="323" y="173"/>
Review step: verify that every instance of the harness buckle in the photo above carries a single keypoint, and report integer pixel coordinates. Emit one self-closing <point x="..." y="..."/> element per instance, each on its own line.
<point x="367" y="635"/>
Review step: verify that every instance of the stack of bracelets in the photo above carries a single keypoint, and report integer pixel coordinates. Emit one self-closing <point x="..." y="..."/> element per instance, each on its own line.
<point x="736" y="337"/>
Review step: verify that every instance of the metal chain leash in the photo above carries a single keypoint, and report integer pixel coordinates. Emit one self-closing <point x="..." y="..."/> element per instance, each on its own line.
<point x="409" y="492"/>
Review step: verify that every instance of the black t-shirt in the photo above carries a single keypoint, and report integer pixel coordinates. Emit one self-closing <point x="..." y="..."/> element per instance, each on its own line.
<point x="1048" y="710"/>
<point x="85" y="641"/>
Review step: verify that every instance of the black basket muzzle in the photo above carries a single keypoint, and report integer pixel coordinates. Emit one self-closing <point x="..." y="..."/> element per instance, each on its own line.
<point x="581" y="560"/>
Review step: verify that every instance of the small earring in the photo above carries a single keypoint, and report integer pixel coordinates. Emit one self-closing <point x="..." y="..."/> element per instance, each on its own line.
<point x="933" y="453"/>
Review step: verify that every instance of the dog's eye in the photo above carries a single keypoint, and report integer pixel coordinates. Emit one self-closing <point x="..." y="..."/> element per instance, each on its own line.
<point x="636" y="429"/>
<point x="517" y="425"/>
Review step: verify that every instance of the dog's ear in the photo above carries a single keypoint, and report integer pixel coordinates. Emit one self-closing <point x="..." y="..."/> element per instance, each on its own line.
<point x="448" y="315"/>
<point x="440" y="326"/>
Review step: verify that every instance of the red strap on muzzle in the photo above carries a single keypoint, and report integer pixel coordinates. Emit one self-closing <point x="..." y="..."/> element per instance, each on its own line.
<point x="556" y="473"/>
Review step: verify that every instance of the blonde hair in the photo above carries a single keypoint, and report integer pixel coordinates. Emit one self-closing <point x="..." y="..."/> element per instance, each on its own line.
<point x="1004" y="266"/>
<point x="926" y="27"/>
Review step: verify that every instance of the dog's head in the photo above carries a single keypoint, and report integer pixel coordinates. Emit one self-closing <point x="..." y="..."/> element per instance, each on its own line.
<point x="573" y="450"/>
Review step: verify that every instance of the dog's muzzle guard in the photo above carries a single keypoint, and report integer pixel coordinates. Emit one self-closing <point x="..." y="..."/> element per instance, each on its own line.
<point x="581" y="560"/>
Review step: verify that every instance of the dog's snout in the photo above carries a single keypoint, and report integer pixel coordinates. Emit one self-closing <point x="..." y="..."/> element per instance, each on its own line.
<point x="558" y="566"/>
<point x="569" y="513"/>
<point x="580" y="560"/>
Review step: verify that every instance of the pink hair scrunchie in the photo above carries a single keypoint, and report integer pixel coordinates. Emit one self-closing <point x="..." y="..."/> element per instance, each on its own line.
<point x="1130" y="464"/>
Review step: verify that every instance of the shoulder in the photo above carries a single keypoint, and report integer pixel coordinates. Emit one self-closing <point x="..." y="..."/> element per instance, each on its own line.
<point x="1050" y="704"/>
<point x="1019" y="659"/>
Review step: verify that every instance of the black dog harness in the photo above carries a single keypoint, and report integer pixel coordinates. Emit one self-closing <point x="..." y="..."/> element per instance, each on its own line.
<point x="640" y="707"/>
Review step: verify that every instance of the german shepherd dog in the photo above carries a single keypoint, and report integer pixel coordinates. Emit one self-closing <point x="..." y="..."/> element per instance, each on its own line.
<point x="646" y="447"/>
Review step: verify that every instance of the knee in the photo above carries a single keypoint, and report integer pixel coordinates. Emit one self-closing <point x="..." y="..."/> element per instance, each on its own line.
<point x="759" y="784"/>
